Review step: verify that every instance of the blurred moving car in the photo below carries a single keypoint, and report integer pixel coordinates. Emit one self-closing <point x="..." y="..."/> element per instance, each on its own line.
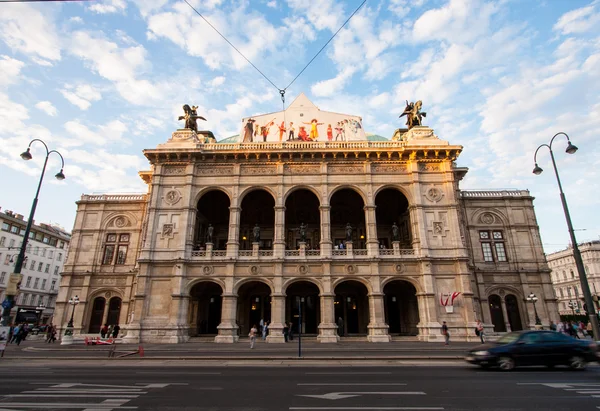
<point x="523" y="348"/>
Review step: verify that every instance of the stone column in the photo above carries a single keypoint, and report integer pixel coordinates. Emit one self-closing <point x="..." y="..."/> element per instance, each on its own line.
<point x="233" y="237"/>
<point x="209" y="249"/>
<point x="505" y="314"/>
<point x="327" y="328"/>
<point x="228" y="329"/>
<point x="326" y="244"/>
<point x="396" y="247"/>
<point x="277" y="319"/>
<point x="378" y="329"/>
<point x="349" y="248"/>
<point x="255" y="247"/>
<point x="371" y="223"/>
<point x="279" y="235"/>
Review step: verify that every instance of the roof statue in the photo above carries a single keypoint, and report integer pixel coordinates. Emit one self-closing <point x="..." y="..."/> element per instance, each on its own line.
<point x="413" y="114"/>
<point x="190" y="117"/>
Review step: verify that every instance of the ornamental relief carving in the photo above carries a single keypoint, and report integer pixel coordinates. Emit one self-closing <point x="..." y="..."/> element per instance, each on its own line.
<point x="302" y="169"/>
<point x="434" y="194"/>
<point x="429" y="167"/>
<point x="214" y="170"/>
<point x="487" y="218"/>
<point x="258" y="170"/>
<point x="346" y="169"/>
<point x="173" y="170"/>
<point x="108" y="281"/>
<point x="172" y="196"/>
<point x="208" y="270"/>
<point x="120" y="222"/>
<point x="389" y="168"/>
<point x="303" y="269"/>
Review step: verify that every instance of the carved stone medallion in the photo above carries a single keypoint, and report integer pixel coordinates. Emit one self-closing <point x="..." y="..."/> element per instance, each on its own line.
<point x="487" y="218"/>
<point x="399" y="268"/>
<point x="172" y="196"/>
<point x="254" y="269"/>
<point x="434" y="194"/>
<point x="168" y="230"/>
<point x="208" y="270"/>
<point x="121" y="222"/>
<point x="351" y="269"/>
<point x="438" y="228"/>
<point x="303" y="269"/>
<point x="107" y="295"/>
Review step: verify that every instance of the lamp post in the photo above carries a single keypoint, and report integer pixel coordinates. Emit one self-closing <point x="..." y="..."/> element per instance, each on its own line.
<point x="68" y="337"/>
<point x="533" y="299"/>
<point x="300" y="301"/>
<point x="14" y="279"/>
<point x="585" y="287"/>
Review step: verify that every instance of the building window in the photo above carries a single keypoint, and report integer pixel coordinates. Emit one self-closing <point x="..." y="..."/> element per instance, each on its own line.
<point x="56" y="270"/>
<point x="576" y="291"/>
<point x="28" y="283"/>
<point x="492" y="245"/>
<point x="43" y="284"/>
<point x="62" y="244"/>
<point x="59" y="257"/>
<point x="28" y="250"/>
<point x="11" y="243"/>
<point x="5" y="227"/>
<point x="7" y="259"/>
<point x="43" y="252"/>
<point x="51" y="254"/>
<point x="36" y="283"/>
<point x="572" y="274"/>
<point x="53" y="242"/>
<point x="2" y="277"/>
<point x="40" y="266"/>
<point x="22" y="232"/>
<point x="562" y="294"/>
<point x="36" y="250"/>
<point x="47" y="269"/>
<point x="2" y="240"/>
<point x="569" y="291"/>
<point x="52" y="285"/>
<point x="115" y="245"/>
<point x="26" y="299"/>
<point x="32" y="265"/>
<point x="14" y="229"/>
<point x="46" y="240"/>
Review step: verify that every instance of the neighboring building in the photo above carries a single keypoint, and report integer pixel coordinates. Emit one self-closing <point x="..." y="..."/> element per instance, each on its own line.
<point x="565" y="277"/>
<point x="370" y="238"/>
<point x="44" y="260"/>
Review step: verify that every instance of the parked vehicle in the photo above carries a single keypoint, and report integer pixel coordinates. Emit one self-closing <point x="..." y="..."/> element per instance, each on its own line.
<point x="524" y="348"/>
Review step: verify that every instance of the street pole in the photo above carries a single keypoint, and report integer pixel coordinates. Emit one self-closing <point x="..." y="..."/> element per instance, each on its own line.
<point x="585" y="287"/>
<point x="300" y="301"/>
<point x="14" y="280"/>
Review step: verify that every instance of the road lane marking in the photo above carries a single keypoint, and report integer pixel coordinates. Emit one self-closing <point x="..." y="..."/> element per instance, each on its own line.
<point x="65" y="405"/>
<point x="347" y="373"/>
<point x="342" y="395"/>
<point x="369" y="408"/>
<point x="178" y="373"/>
<point x="358" y="383"/>
<point x="70" y="395"/>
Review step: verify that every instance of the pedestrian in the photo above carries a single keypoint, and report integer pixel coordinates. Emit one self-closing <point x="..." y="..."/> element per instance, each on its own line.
<point x="291" y="331"/>
<point x="15" y="332"/>
<point x="553" y="326"/>
<point x="110" y="330"/>
<point x="116" y="330"/>
<point x="590" y="330"/>
<point x="446" y="333"/>
<point x="53" y="338"/>
<point x="286" y="332"/>
<point x="103" y="331"/>
<point x="20" y="334"/>
<point x="252" y="335"/>
<point x="340" y="326"/>
<point x="480" y="332"/>
<point x="265" y="330"/>
<point x="49" y="333"/>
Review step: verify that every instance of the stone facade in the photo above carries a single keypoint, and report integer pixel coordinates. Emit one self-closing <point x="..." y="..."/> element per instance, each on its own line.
<point x="565" y="277"/>
<point x="361" y="238"/>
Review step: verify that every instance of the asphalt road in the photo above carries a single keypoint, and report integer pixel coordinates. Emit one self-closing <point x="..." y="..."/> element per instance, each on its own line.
<point x="256" y="388"/>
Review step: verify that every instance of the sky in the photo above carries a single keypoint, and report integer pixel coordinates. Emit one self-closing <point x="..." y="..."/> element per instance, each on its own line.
<point x="100" y="81"/>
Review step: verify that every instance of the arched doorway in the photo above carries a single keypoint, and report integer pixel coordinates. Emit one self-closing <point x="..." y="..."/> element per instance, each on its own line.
<point x="303" y="294"/>
<point x="205" y="308"/>
<point x="392" y="208"/>
<point x="258" y="207"/>
<point x="351" y="305"/>
<point x="254" y="304"/>
<point x="496" y="313"/>
<point x="97" y="315"/>
<point x="302" y="207"/>
<point x="347" y="207"/>
<point x="401" y="308"/>
<point x="512" y="311"/>
<point x="213" y="210"/>
<point x="114" y="311"/>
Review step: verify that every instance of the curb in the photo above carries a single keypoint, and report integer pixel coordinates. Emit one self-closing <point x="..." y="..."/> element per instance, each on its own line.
<point x="229" y="358"/>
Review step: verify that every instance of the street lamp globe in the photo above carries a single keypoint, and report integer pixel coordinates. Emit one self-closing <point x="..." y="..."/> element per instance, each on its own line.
<point x="60" y="175"/>
<point x="537" y="170"/>
<point x="571" y="149"/>
<point x="26" y="155"/>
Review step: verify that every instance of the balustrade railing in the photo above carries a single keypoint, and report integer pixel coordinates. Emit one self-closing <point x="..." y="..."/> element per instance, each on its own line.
<point x="313" y="253"/>
<point x="245" y="253"/>
<point x="265" y="253"/>
<point x="338" y="252"/>
<point x="360" y="252"/>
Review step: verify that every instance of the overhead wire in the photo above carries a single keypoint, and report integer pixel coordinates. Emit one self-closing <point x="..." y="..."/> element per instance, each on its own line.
<point x="280" y="90"/>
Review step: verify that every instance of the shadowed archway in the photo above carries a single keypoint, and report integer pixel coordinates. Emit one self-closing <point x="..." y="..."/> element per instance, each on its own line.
<point x="305" y="295"/>
<point x="351" y="306"/>
<point x="205" y="308"/>
<point x="213" y="209"/>
<point x="401" y="308"/>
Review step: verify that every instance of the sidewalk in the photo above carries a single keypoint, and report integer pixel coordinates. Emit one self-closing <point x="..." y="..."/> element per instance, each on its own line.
<point x="351" y="350"/>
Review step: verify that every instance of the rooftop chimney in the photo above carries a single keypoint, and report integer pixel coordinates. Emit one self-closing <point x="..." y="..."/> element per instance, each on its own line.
<point x="19" y="216"/>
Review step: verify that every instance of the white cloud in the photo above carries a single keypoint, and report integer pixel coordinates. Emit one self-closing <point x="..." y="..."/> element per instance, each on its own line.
<point x="332" y="86"/>
<point x="81" y="96"/>
<point x="10" y="69"/>
<point x="47" y="108"/>
<point x="272" y="4"/>
<point x="322" y="14"/>
<point x="579" y="20"/>
<point x="27" y="30"/>
<point x="217" y="81"/>
<point x="112" y="131"/>
<point x="76" y="19"/>
<point x="109" y="6"/>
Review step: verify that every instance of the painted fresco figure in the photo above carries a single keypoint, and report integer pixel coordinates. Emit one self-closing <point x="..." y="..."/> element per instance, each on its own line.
<point x="264" y="130"/>
<point x="314" y="131"/>
<point x="348" y="232"/>
<point x="292" y="129"/>
<point x="302" y="135"/>
<point x="281" y="130"/>
<point x="248" y="130"/>
<point x="329" y="133"/>
<point x="209" y="233"/>
<point x="256" y="233"/>
<point x="338" y="131"/>
<point x="395" y="232"/>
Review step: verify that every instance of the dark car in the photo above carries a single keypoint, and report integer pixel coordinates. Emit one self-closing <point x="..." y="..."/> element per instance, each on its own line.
<point x="522" y="348"/>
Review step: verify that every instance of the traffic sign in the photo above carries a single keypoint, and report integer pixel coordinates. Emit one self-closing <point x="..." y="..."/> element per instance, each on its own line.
<point x="6" y="304"/>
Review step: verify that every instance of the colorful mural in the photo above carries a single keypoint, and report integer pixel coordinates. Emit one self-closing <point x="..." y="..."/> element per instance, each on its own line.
<point x="293" y="124"/>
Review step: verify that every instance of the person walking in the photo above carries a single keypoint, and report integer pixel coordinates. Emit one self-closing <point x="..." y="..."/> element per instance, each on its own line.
<point x="116" y="330"/>
<point x="103" y="331"/>
<point x="49" y="333"/>
<point x="291" y="331"/>
<point x="15" y="332"/>
<point x="445" y="333"/>
<point x="265" y="330"/>
<point x="286" y="332"/>
<point x="252" y="335"/>
<point x="480" y="332"/>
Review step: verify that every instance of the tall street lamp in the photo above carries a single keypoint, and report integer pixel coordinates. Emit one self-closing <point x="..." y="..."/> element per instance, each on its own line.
<point x="585" y="287"/>
<point x="532" y="298"/>
<point x="14" y="279"/>
<point x="68" y="337"/>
